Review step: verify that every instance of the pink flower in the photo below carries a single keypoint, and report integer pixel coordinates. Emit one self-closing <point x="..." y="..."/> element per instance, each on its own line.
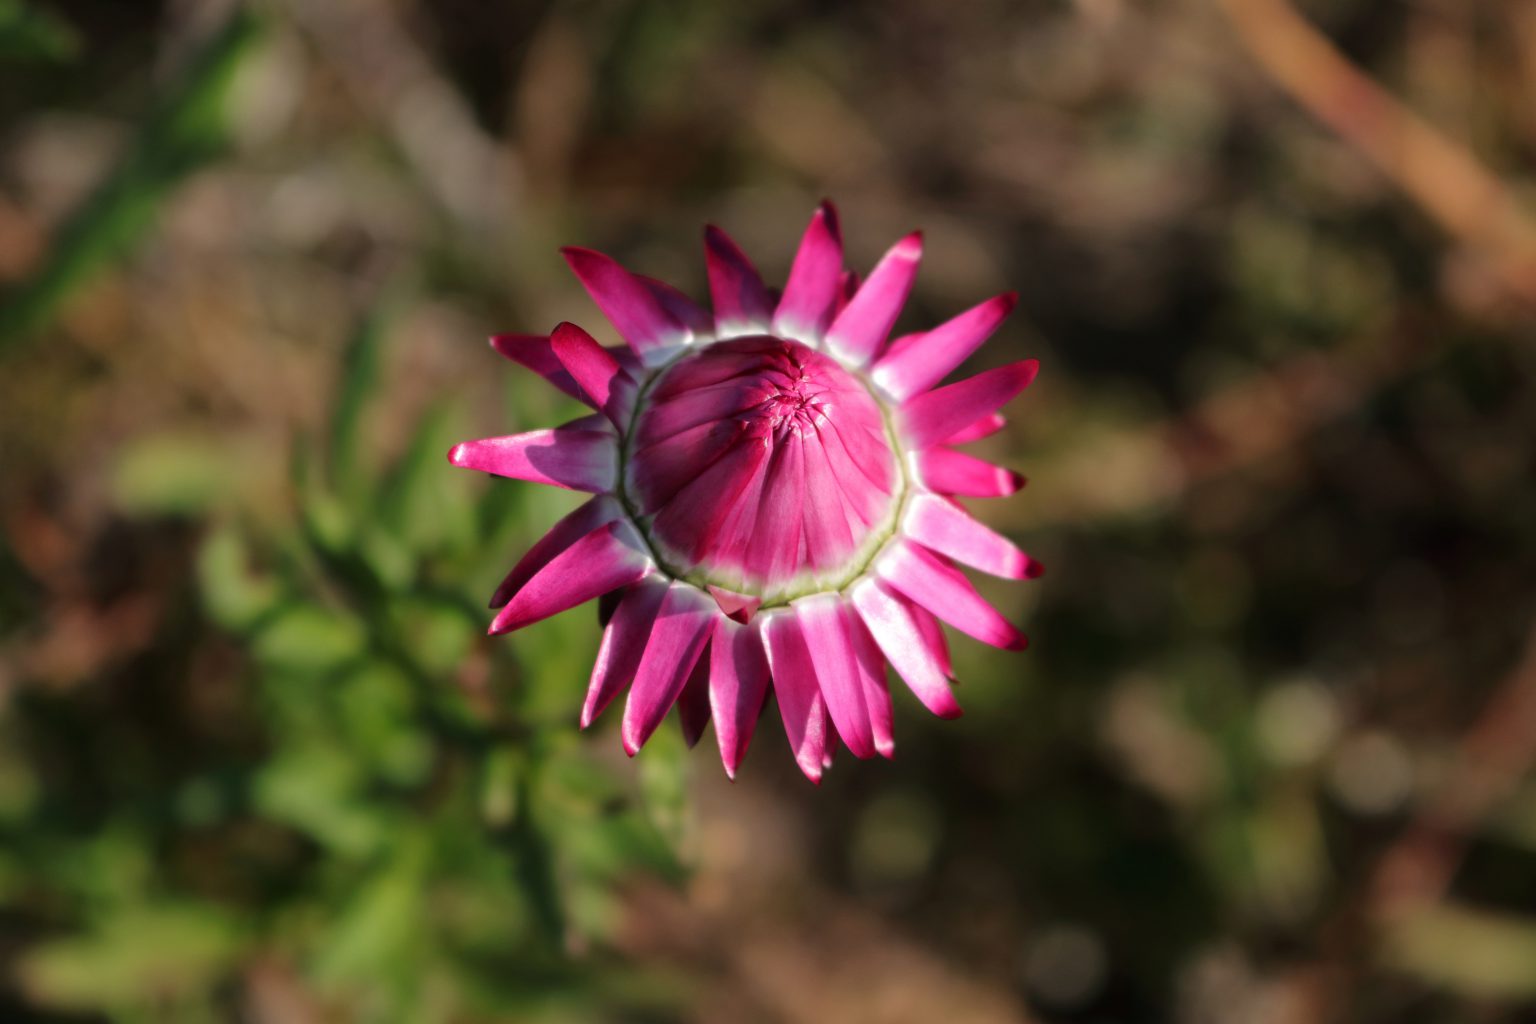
<point x="773" y="500"/>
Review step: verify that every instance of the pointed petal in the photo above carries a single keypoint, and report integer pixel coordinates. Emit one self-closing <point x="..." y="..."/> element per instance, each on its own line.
<point x="677" y="637"/>
<point x="606" y="385"/>
<point x="920" y="361"/>
<point x="596" y="512"/>
<point x="741" y="301"/>
<point x="700" y="509"/>
<point x="901" y="640"/>
<point x="986" y="426"/>
<point x="582" y="460"/>
<point x="609" y="557"/>
<point x="799" y="696"/>
<point x="629" y="304"/>
<point x="862" y="328"/>
<point x="811" y="291"/>
<point x="935" y="415"/>
<point x="945" y="527"/>
<point x="847" y="288"/>
<point x="534" y="352"/>
<point x="738" y="686"/>
<point x="930" y="630"/>
<point x="740" y="607"/>
<point x="827" y="638"/>
<point x="680" y="307"/>
<point x="693" y="702"/>
<point x="623" y="643"/>
<point x="877" y="695"/>
<point x="949" y="472"/>
<point x="945" y="592"/>
<point x="774" y="546"/>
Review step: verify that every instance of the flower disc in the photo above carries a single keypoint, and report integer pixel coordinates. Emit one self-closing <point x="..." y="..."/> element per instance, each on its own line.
<point x="762" y="465"/>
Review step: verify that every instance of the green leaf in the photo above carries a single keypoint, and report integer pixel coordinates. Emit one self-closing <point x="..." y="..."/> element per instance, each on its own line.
<point x="143" y="957"/>
<point x="309" y="639"/>
<point x="184" y="131"/>
<point x="373" y="937"/>
<point x="313" y="789"/>
<point x="360" y="369"/>
<point x="176" y="474"/>
<point x="236" y="598"/>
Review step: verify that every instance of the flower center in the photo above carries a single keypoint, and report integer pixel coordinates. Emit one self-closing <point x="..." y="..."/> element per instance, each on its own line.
<point x="762" y="466"/>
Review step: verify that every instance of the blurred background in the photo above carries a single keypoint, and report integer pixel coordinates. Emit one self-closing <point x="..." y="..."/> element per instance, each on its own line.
<point x="1268" y="759"/>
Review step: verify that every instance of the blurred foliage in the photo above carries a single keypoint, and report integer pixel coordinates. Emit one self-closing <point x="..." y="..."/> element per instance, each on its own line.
<point x="184" y="130"/>
<point x="396" y="807"/>
<point x="258" y="760"/>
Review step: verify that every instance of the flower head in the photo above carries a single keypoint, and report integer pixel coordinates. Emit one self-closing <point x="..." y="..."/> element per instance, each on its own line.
<point x="774" y="496"/>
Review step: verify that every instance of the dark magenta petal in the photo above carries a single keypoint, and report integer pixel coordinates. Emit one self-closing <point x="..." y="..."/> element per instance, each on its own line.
<point x="811" y="292"/>
<point x="742" y="303"/>
<point x="629" y="304"/>
<point x="609" y="557"/>
<point x="677" y="639"/>
<point x="599" y="511"/>
<point x="738" y="686"/>
<point x="605" y="385"/>
<point x="830" y="643"/>
<point x="799" y="695"/>
<point x="623" y="643"/>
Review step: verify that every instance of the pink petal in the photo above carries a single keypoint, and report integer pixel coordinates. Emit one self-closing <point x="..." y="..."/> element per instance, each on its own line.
<point x="861" y="329"/>
<point x="624" y="641"/>
<point x="701" y="509"/>
<point x="950" y="472"/>
<point x="829" y="523"/>
<point x="663" y="469"/>
<point x="740" y="607"/>
<point x="877" y="696"/>
<point x="847" y="288"/>
<point x="582" y="460"/>
<point x="794" y="683"/>
<point x="609" y="557"/>
<point x="629" y="304"/>
<point x="920" y="361"/>
<point x="945" y="527"/>
<point x="742" y="303"/>
<point x="930" y="630"/>
<point x="677" y="638"/>
<point x="604" y="383"/>
<point x="596" y="512"/>
<point x="933" y="416"/>
<point x="901" y="638"/>
<point x="680" y="307"/>
<point x="986" y="426"/>
<point x="534" y="352"/>
<point x="774" y="548"/>
<point x="811" y="291"/>
<point x="945" y="592"/>
<point x="693" y="703"/>
<point x="826" y="635"/>
<point x="738" y="687"/>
